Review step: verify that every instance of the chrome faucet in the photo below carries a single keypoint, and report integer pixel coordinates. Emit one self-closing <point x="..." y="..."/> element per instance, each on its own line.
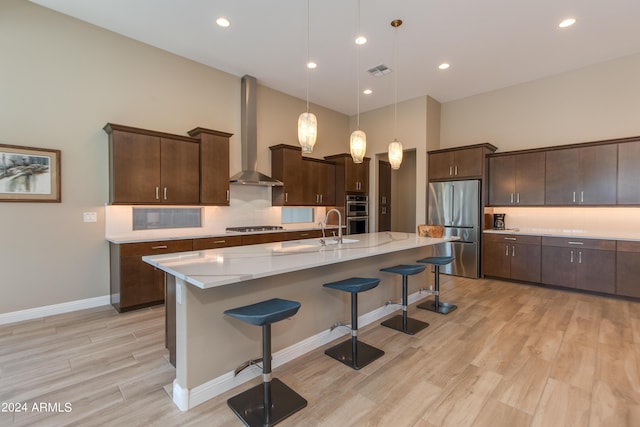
<point x="326" y="218"/>
<point x="323" y="242"/>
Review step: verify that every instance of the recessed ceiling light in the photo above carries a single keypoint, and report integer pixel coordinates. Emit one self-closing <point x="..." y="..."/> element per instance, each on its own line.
<point x="223" y="22"/>
<point x="444" y="66"/>
<point x="367" y="91"/>
<point x="361" y="40"/>
<point x="311" y="65"/>
<point x="567" y="23"/>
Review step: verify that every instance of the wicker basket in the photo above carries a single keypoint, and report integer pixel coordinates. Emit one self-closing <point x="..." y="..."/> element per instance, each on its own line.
<point x="425" y="230"/>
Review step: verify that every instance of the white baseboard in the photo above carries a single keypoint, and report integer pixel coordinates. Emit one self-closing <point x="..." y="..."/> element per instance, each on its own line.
<point x="50" y="310"/>
<point x="186" y="399"/>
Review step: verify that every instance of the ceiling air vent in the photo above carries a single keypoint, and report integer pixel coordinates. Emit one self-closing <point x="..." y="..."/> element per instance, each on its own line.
<point x="379" y="70"/>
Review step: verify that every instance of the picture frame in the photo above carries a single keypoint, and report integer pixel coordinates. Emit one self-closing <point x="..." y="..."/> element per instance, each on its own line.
<point x="29" y="174"/>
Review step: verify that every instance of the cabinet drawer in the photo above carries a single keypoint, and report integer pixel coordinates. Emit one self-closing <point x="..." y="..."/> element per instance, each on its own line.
<point x="307" y="234"/>
<point x="625" y="246"/>
<point x="254" y="239"/>
<point x="154" y="248"/>
<point x="511" y="238"/>
<point x="216" y="242"/>
<point x="568" y="242"/>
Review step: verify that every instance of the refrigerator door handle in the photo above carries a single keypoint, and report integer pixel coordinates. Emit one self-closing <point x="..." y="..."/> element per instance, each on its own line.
<point x="453" y="202"/>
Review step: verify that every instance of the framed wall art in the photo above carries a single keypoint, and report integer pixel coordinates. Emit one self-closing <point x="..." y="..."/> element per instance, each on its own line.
<point x="29" y="174"/>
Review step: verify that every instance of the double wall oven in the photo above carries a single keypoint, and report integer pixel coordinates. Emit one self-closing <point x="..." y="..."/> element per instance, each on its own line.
<point x="357" y="214"/>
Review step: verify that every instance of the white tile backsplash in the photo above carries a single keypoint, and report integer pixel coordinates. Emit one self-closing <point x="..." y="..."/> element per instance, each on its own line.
<point x="572" y="219"/>
<point x="248" y="205"/>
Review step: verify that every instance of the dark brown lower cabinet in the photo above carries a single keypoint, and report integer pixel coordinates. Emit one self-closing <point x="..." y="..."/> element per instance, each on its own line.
<point x="628" y="269"/>
<point x="588" y="264"/>
<point x="134" y="283"/>
<point x="512" y="257"/>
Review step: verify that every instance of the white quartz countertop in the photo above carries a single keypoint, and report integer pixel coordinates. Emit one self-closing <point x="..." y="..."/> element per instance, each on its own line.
<point x="577" y="234"/>
<point x="224" y="266"/>
<point x="152" y="235"/>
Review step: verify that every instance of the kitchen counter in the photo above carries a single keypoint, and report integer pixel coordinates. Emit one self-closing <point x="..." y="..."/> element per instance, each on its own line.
<point x="226" y="266"/>
<point x="578" y="234"/>
<point x="151" y="235"/>
<point x="209" y="345"/>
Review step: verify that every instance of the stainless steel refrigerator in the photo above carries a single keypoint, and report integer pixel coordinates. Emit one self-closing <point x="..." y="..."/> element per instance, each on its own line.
<point x="456" y="206"/>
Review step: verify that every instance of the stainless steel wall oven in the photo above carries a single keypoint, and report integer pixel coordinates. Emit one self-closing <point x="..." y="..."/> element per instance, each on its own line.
<point x="357" y="214"/>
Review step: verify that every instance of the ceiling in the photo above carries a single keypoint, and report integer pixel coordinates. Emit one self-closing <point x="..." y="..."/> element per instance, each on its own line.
<point x="490" y="44"/>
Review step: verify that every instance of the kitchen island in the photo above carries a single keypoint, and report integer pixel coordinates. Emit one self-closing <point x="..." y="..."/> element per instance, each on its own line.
<point x="209" y="345"/>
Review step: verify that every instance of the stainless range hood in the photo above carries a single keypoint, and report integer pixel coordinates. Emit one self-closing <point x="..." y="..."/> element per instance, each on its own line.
<point x="249" y="139"/>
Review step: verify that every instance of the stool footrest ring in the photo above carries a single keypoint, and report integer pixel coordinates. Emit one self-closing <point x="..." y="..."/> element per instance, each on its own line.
<point x="248" y="363"/>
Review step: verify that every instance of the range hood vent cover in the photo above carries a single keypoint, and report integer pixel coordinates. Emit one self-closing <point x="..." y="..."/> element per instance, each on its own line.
<point x="249" y="139"/>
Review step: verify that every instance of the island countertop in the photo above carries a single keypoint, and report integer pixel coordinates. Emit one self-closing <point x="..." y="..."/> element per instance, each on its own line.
<point x="225" y="266"/>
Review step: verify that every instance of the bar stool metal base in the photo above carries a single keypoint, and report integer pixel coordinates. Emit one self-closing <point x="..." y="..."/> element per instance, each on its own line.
<point x="249" y="405"/>
<point x="364" y="353"/>
<point x="441" y="307"/>
<point x="405" y="324"/>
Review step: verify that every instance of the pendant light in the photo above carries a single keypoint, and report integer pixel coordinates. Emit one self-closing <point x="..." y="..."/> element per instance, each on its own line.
<point x="307" y="122"/>
<point x="358" y="140"/>
<point x="395" y="146"/>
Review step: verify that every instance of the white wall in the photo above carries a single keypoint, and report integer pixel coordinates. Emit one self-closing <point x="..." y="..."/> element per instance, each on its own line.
<point x="590" y="104"/>
<point x="61" y="80"/>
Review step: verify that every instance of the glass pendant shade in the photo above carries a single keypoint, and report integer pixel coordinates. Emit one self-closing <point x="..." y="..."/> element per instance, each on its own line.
<point x="395" y="154"/>
<point x="307" y="131"/>
<point x="358" y="145"/>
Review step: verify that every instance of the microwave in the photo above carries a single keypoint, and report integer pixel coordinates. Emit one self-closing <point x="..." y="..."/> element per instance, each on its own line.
<point x="357" y="206"/>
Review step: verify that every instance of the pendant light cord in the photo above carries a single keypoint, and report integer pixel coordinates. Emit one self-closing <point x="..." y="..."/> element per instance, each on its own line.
<point x="307" y="64"/>
<point x="395" y="84"/>
<point x="358" y="72"/>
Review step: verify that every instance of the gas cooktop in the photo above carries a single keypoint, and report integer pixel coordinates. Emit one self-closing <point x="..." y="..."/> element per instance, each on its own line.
<point x="252" y="228"/>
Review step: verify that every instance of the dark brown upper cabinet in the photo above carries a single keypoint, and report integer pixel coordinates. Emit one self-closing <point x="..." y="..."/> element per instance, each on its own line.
<point x="458" y="163"/>
<point x="319" y="182"/>
<point x="214" y="166"/>
<point x="148" y="167"/>
<point x="582" y="176"/>
<point x="286" y="166"/>
<point x="351" y="178"/>
<point x="629" y="173"/>
<point x="517" y="179"/>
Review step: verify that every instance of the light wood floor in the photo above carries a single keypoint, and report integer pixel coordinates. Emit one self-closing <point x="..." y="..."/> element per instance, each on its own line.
<point x="511" y="355"/>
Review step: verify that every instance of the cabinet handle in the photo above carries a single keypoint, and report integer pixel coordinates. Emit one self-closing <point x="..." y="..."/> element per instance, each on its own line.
<point x="574" y="197"/>
<point x="579" y="257"/>
<point x="513" y="250"/>
<point x="304" y="234"/>
<point x="511" y="197"/>
<point x="510" y="238"/>
<point x="582" y="197"/>
<point x="450" y="170"/>
<point x="286" y="197"/>
<point x="571" y="256"/>
<point x="159" y="247"/>
<point x="219" y="242"/>
<point x="518" y="198"/>
<point x="157" y="193"/>
<point x="456" y="170"/>
<point x="506" y="252"/>
<point x="321" y="198"/>
<point x="575" y="243"/>
<point x="165" y="193"/>
<point x="228" y="195"/>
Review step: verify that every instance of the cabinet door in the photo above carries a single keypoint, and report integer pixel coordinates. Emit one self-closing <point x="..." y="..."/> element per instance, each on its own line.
<point x="495" y="259"/>
<point x="529" y="179"/>
<point x="286" y="166"/>
<point x="327" y="184"/>
<point x="140" y="283"/>
<point x="629" y="173"/>
<point x="356" y="176"/>
<point x="468" y="163"/>
<point x="598" y="174"/>
<point x="311" y="172"/>
<point x="558" y="266"/>
<point x="214" y="161"/>
<point x="180" y="175"/>
<point x="254" y="239"/>
<point x="628" y="269"/>
<point x="525" y="262"/>
<point x="135" y="168"/>
<point x="596" y="270"/>
<point x="561" y="177"/>
<point x="441" y="165"/>
<point x="502" y="188"/>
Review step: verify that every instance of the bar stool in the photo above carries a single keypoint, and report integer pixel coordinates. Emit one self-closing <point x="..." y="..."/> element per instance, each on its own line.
<point x="272" y="401"/>
<point x="353" y="353"/>
<point x="437" y="306"/>
<point x="403" y="323"/>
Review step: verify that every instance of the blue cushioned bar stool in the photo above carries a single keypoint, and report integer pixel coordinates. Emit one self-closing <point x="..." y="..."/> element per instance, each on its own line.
<point x="354" y="353"/>
<point x="402" y="322"/>
<point x="436" y="305"/>
<point x="272" y="401"/>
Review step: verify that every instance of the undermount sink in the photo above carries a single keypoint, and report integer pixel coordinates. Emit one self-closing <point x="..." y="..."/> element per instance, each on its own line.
<point x="334" y="242"/>
<point x="298" y="246"/>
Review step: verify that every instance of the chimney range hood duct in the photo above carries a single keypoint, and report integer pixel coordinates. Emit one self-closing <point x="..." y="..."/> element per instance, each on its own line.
<point x="249" y="139"/>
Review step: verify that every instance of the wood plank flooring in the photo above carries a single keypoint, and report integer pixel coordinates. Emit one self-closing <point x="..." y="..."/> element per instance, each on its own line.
<point x="510" y="355"/>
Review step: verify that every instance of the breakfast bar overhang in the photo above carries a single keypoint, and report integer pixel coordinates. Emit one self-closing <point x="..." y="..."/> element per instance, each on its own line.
<point x="209" y="345"/>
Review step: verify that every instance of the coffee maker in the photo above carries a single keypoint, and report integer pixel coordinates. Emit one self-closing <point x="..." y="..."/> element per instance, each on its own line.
<point x="498" y="221"/>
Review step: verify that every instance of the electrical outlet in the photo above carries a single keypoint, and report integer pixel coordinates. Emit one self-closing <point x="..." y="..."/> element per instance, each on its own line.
<point x="90" y="217"/>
